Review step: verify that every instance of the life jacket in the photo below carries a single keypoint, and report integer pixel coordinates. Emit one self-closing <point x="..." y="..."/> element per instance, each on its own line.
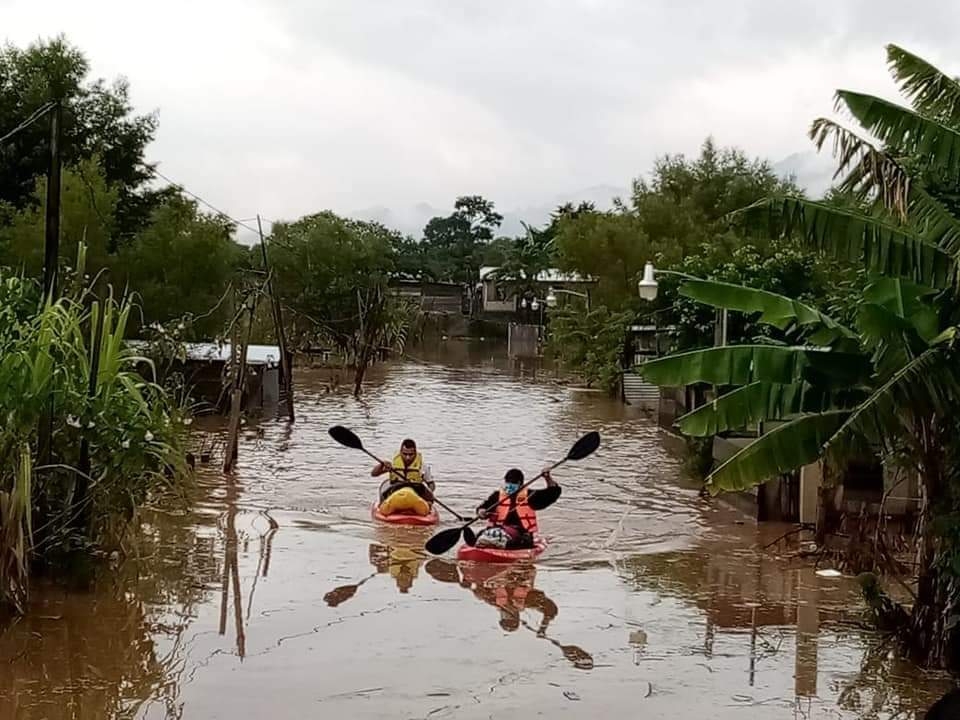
<point x="528" y="518"/>
<point x="512" y="597"/>
<point x="412" y="473"/>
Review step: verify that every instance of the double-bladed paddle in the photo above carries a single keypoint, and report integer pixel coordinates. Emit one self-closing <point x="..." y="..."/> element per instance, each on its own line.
<point x="446" y="539"/>
<point x="348" y="438"/>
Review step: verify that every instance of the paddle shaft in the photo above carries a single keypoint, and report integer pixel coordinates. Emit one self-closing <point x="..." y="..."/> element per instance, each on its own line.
<point x="457" y="515"/>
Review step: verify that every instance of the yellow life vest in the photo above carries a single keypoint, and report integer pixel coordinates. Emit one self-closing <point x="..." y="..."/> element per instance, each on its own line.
<point x="413" y="473"/>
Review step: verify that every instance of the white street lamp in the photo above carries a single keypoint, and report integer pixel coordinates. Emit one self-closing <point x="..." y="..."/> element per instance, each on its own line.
<point x="647" y="287"/>
<point x="551" y="298"/>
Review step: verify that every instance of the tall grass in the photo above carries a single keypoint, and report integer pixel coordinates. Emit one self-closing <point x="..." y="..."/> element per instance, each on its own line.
<point x="133" y="430"/>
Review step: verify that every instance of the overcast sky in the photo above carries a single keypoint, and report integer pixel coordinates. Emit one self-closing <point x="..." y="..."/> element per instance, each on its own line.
<point x="293" y="106"/>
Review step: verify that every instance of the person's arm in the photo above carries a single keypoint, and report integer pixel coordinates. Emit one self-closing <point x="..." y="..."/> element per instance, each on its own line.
<point x="549" y="478"/>
<point x="487" y="505"/>
<point x="379" y="469"/>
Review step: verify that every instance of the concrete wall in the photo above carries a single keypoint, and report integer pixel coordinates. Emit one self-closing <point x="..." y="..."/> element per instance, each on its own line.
<point x="523" y="340"/>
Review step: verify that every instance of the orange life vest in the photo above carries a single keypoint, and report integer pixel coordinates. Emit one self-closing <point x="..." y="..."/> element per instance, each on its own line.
<point x="512" y="597"/>
<point x="528" y="518"/>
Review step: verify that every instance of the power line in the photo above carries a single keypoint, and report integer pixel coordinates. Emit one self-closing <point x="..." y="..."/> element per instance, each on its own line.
<point x="36" y="115"/>
<point x="196" y="197"/>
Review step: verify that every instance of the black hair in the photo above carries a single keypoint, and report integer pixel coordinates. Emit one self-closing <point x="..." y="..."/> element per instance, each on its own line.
<point x="513" y="475"/>
<point x="408" y="443"/>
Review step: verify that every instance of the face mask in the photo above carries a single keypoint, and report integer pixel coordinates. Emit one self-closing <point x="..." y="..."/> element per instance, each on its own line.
<point x="511" y="488"/>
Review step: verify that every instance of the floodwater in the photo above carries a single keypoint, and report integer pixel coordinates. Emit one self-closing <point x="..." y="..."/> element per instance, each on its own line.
<point x="273" y="595"/>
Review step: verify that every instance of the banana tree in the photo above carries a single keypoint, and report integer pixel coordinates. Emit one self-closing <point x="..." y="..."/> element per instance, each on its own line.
<point x="902" y="168"/>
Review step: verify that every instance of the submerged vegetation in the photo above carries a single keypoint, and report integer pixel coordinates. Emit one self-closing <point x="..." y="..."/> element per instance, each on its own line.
<point x="85" y="438"/>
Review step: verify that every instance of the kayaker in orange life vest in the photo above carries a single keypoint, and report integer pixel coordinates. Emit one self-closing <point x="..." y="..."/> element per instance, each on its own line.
<point x="513" y="522"/>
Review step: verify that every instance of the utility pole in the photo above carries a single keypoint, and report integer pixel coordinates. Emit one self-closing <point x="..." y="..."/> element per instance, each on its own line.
<point x="51" y="252"/>
<point x="285" y="363"/>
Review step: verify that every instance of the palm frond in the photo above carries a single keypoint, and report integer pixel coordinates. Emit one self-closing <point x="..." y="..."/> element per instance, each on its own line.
<point x="751" y="404"/>
<point x="877" y="245"/>
<point x="928" y="89"/>
<point x="872" y="174"/>
<point x="785" y="448"/>
<point x="905" y="131"/>
<point x="744" y="364"/>
<point x="927" y="386"/>
<point x="866" y="171"/>
<point x="777" y="310"/>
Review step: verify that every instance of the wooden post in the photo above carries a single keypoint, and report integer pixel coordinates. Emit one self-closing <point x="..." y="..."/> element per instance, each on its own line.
<point x="285" y="364"/>
<point x="236" y="395"/>
<point x="82" y="484"/>
<point x="51" y="252"/>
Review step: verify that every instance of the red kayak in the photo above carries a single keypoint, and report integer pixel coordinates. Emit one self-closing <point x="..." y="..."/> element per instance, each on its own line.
<point x="496" y="555"/>
<point x="404" y="518"/>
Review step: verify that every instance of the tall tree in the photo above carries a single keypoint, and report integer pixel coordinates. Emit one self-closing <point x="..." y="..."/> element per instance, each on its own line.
<point x="98" y="121"/>
<point x="181" y="265"/>
<point x="899" y="397"/>
<point x="454" y="245"/>
<point x="332" y="275"/>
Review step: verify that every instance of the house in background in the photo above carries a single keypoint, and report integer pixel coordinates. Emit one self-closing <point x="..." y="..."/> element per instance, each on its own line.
<point x="437" y="297"/>
<point x="500" y="297"/>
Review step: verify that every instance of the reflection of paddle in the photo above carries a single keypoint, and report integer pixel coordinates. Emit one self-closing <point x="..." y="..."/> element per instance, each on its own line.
<point x="349" y="439"/>
<point x="446" y="539"/>
<point x="344" y="592"/>
<point x="581" y="659"/>
<point x="442" y="571"/>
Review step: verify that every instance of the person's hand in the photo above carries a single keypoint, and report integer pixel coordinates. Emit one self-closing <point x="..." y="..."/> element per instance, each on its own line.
<point x="483" y="513"/>
<point x="548" y="477"/>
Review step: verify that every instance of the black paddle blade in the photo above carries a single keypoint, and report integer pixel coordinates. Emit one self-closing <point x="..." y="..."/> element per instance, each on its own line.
<point x="340" y="594"/>
<point x="345" y="437"/>
<point x="545" y="498"/>
<point x="469" y="536"/>
<point x="442" y="571"/>
<point x="443" y="541"/>
<point x="584" y="446"/>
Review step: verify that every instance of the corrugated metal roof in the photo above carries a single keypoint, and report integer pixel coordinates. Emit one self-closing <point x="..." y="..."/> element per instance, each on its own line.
<point x="211" y="352"/>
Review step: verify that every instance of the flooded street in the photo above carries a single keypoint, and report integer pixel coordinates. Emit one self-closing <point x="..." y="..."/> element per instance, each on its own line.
<point x="650" y="601"/>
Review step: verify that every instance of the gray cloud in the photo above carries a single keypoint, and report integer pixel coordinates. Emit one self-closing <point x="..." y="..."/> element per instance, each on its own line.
<point x="288" y="107"/>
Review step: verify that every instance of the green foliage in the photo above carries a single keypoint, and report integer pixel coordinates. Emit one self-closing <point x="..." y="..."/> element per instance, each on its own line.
<point x="133" y="430"/>
<point x="181" y="266"/>
<point x="98" y="121"/>
<point x="774" y="267"/>
<point x="332" y="277"/>
<point x="453" y="247"/>
<point x="592" y="344"/>
<point x="796" y="443"/>
<point x="611" y="247"/>
<point x="87" y="211"/>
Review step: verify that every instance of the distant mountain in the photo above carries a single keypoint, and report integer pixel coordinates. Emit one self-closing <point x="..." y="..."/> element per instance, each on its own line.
<point x="411" y="220"/>
<point x="813" y="171"/>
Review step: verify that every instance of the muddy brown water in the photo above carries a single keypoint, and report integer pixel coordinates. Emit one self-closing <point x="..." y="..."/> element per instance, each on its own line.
<point x="275" y="595"/>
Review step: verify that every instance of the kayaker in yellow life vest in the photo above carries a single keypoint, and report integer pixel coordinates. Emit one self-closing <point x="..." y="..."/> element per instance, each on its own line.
<point x="406" y="470"/>
<point x="513" y="522"/>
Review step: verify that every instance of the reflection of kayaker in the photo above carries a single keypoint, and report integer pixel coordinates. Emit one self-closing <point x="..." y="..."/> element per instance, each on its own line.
<point x="408" y="488"/>
<point x="512" y="514"/>
<point x="402" y="564"/>
<point x="511" y="591"/>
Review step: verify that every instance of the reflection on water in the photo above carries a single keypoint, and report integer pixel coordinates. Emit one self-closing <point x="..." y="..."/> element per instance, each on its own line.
<point x="274" y="591"/>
